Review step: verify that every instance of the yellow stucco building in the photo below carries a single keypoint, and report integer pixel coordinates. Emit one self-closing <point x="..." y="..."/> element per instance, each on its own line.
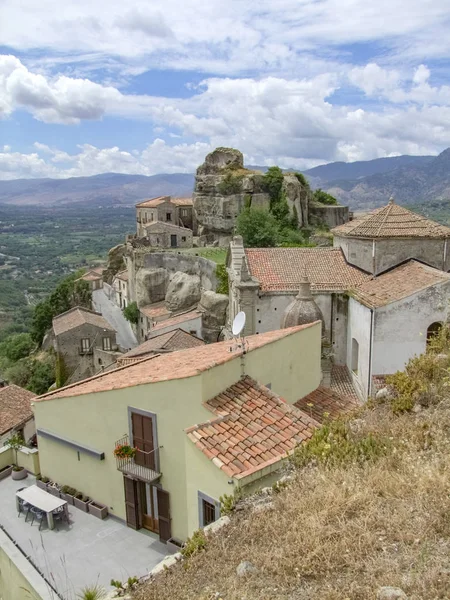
<point x="205" y="421"/>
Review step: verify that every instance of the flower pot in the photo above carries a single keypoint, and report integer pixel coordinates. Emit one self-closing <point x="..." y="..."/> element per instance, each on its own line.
<point x="17" y="475"/>
<point x="84" y="506"/>
<point x="98" y="510"/>
<point x="41" y="484"/>
<point x="54" y="491"/>
<point x="174" y="545"/>
<point x="68" y="498"/>
<point x="5" y="472"/>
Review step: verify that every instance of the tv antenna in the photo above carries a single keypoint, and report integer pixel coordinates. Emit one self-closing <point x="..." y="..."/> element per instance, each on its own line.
<point x="240" y="342"/>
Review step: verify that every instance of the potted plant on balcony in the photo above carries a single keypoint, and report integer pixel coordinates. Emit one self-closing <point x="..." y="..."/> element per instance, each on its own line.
<point x="42" y="482"/>
<point x="5" y="471"/>
<point x="81" y="501"/>
<point x="124" y="451"/>
<point x="97" y="509"/>
<point x="68" y="494"/>
<point x="16" y="442"/>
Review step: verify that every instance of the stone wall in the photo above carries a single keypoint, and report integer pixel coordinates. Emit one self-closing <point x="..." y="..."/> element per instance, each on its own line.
<point x="331" y="216"/>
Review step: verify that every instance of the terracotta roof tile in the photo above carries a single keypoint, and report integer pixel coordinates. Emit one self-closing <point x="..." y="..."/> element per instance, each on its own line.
<point x="155" y="311"/>
<point x="163" y="227"/>
<point x="392" y="220"/>
<point x="398" y="283"/>
<point x="166" y="342"/>
<point x="279" y="269"/>
<point x="153" y="202"/>
<point x="15" y="407"/>
<point x="165" y="367"/>
<point x="79" y="316"/>
<point x="176" y="320"/>
<point x="123" y="275"/>
<point x="239" y="454"/>
<point x="324" y="403"/>
<point x="183" y="201"/>
<point x="341" y="383"/>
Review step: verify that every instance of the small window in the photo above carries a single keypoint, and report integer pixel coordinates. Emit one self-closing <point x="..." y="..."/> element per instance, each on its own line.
<point x="193" y="331"/>
<point x="355" y="356"/>
<point x="184" y="212"/>
<point x="100" y="362"/>
<point x="209" y="513"/>
<point x="183" y="238"/>
<point x="208" y="510"/>
<point x="151" y="216"/>
<point x="168" y="216"/>
<point x="85" y="344"/>
<point x="432" y="331"/>
<point x="106" y="343"/>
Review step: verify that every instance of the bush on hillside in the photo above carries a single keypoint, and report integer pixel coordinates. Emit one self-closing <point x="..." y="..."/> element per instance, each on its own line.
<point x="258" y="228"/>
<point x="17" y="346"/>
<point x="131" y="313"/>
<point x="324" y="198"/>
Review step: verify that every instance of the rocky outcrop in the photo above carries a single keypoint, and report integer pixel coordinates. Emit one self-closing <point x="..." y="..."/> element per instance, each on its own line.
<point x="115" y="262"/>
<point x="183" y="291"/>
<point x="151" y="286"/>
<point x="223" y="188"/>
<point x="214" y="308"/>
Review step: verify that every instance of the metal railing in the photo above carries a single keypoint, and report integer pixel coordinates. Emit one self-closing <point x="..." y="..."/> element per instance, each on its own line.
<point x="129" y="466"/>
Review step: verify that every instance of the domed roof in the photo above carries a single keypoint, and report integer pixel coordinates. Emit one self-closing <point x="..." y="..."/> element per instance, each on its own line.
<point x="303" y="309"/>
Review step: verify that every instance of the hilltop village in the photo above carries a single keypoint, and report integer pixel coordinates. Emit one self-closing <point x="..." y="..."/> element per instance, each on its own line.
<point x="166" y="410"/>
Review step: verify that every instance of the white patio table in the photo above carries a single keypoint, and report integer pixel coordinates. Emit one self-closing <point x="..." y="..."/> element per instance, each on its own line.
<point x="41" y="500"/>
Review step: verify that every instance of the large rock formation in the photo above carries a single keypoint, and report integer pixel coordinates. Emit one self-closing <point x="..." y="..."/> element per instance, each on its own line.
<point x="151" y="286"/>
<point x="183" y="291"/>
<point x="115" y="262"/>
<point x="214" y="308"/>
<point x="223" y="187"/>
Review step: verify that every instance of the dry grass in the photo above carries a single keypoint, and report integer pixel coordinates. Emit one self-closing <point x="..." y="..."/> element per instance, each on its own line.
<point x="340" y="533"/>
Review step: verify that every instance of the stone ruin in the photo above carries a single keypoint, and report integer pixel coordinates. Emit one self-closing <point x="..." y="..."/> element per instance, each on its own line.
<point x="224" y="187"/>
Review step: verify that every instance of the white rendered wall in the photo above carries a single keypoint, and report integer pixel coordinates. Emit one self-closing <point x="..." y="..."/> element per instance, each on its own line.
<point x="359" y="318"/>
<point x="270" y="309"/>
<point x="400" y="329"/>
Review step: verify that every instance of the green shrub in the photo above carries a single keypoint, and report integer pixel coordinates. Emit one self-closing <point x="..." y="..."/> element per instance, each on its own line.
<point x="131" y="313"/>
<point x="324" y="198"/>
<point x="302" y="179"/>
<point x="222" y="278"/>
<point x="230" y="184"/>
<point x="92" y="592"/>
<point x="194" y="544"/>
<point x="335" y="444"/>
<point x="258" y="228"/>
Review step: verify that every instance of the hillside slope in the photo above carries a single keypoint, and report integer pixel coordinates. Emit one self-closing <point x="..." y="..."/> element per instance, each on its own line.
<point x="368" y="507"/>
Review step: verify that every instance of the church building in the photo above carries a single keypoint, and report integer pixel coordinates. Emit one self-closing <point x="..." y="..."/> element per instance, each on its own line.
<point x="381" y="292"/>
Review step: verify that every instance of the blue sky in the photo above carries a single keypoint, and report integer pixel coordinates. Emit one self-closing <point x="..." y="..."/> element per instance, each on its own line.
<point x="145" y="88"/>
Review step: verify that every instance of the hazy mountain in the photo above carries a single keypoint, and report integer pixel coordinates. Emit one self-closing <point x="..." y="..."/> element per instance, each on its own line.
<point x="362" y="184"/>
<point x="414" y="183"/>
<point x="105" y="189"/>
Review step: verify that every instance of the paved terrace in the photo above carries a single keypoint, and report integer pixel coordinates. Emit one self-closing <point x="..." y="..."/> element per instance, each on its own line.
<point x="85" y="552"/>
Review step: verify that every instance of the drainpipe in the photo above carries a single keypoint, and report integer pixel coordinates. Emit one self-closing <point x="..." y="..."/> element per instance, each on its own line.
<point x="369" y="387"/>
<point x="373" y="258"/>
<point x="445" y="254"/>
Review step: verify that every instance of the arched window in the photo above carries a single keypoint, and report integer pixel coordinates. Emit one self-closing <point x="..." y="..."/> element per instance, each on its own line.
<point x="355" y="356"/>
<point x="433" y="331"/>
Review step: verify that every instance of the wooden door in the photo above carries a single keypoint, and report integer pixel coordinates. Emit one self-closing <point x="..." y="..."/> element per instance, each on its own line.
<point x="165" y="530"/>
<point x="149" y="517"/>
<point x="143" y="440"/>
<point x="132" y="504"/>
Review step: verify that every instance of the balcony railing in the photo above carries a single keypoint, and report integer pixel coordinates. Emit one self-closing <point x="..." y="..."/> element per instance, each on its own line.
<point x="130" y="467"/>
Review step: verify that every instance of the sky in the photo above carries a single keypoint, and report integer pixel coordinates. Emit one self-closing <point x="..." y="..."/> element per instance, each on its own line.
<point x="89" y="86"/>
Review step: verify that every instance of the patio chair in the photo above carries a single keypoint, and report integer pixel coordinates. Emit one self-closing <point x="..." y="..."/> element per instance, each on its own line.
<point x="59" y="514"/>
<point x="24" y="507"/>
<point x="37" y="514"/>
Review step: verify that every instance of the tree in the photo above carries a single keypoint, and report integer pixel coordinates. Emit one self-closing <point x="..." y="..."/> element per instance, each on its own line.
<point x="17" y="346"/>
<point x="273" y="183"/>
<point x="131" y="313"/>
<point x="280" y="210"/>
<point x="16" y="442"/>
<point x="324" y="198"/>
<point x="258" y="228"/>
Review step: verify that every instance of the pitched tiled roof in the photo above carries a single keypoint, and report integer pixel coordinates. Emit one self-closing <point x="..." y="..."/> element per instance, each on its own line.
<point x="163" y="226"/>
<point x="15" y="407"/>
<point x="79" y="316"/>
<point x="168" y="342"/>
<point x="183" y="201"/>
<point x="281" y="269"/>
<point x="324" y="403"/>
<point x="90" y="276"/>
<point x="153" y="202"/>
<point x="156" y="310"/>
<point x="123" y="275"/>
<point x="342" y="384"/>
<point x="166" y="367"/>
<point x="254" y="429"/>
<point x="392" y="220"/>
<point x="399" y="283"/>
<point x="177" y="320"/>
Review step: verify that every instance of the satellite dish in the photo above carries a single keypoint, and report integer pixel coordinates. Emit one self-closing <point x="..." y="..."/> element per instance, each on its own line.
<point x="238" y="323"/>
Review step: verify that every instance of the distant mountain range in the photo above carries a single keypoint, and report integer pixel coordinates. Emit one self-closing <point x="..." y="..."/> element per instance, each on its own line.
<point x="414" y="180"/>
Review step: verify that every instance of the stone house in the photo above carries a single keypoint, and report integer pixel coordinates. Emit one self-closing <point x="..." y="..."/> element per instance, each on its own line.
<point x="156" y="319"/>
<point x="381" y="290"/>
<point x="120" y="287"/>
<point x="190" y="415"/>
<point x="167" y="235"/>
<point x="85" y="342"/>
<point x="94" y="277"/>
<point x="165" y="209"/>
<point x="16" y="413"/>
